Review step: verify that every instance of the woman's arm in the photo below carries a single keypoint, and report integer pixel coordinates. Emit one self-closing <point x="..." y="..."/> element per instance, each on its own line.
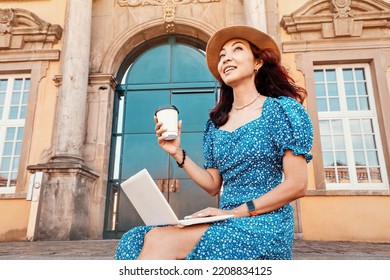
<point x="293" y="187"/>
<point x="208" y="179"/>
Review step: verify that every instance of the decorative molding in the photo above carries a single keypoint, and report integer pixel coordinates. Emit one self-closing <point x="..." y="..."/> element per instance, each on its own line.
<point x="335" y="45"/>
<point x="338" y="18"/>
<point x="353" y="193"/>
<point x="93" y="80"/>
<point x="102" y="79"/>
<point x="29" y="55"/>
<point x="169" y="8"/>
<point x="22" y="29"/>
<point x="65" y="167"/>
<point x="137" y="3"/>
<point x="342" y="8"/>
<point x="7" y="17"/>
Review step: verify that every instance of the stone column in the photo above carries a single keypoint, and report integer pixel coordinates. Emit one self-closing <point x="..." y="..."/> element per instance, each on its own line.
<point x="72" y="102"/>
<point x="255" y="14"/>
<point x="68" y="186"/>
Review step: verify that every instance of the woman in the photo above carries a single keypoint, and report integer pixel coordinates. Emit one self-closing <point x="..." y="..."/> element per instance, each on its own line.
<point x="256" y="143"/>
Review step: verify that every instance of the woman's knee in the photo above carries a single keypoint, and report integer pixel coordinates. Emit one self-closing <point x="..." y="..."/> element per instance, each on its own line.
<point x="157" y="236"/>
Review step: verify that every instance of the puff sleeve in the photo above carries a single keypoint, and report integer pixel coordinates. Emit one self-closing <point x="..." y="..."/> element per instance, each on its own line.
<point x="208" y="146"/>
<point x="291" y="127"/>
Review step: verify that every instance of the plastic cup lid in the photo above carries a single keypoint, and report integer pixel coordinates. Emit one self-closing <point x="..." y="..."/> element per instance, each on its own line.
<point x="166" y="107"/>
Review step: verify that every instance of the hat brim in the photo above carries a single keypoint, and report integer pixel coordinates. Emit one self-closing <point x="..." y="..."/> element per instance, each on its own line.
<point x="218" y="40"/>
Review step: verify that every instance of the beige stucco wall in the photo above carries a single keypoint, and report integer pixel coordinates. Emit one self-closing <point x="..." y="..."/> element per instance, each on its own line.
<point x="14" y="219"/>
<point x="287" y="6"/>
<point x="388" y="76"/>
<point x="346" y="218"/>
<point x="44" y="116"/>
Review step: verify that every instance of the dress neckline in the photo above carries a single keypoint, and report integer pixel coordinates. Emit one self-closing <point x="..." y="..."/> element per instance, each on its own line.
<point x="247" y="123"/>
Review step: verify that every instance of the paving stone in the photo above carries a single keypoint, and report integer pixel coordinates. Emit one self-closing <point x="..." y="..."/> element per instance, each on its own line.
<point x="105" y="250"/>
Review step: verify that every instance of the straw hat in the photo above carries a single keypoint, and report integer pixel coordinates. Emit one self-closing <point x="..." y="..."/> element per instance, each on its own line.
<point x="253" y="35"/>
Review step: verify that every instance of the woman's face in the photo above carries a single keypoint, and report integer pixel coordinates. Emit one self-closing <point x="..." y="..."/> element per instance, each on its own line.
<point x="236" y="62"/>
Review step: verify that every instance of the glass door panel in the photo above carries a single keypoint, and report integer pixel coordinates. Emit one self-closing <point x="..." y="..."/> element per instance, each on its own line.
<point x="189" y="65"/>
<point x="142" y="151"/>
<point x="140" y="108"/>
<point x="196" y="112"/>
<point x="167" y="74"/>
<point x="151" y="67"/>
<point x="190" y="198"/>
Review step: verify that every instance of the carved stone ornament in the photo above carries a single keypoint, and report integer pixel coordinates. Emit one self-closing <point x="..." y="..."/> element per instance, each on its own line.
<point x="169" y="11"/>
<point x="169" y="8"/>
<point x="136" y="3"/>
<point x="20" y="28"/>
<point x="170" y="27"/>
<point x="322" y="19"/>
<point x="342" y="8"/>
<point x="6" y="18"/>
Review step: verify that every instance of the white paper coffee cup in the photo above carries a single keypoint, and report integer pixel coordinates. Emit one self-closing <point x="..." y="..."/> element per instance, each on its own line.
<point x="168" y="116"/>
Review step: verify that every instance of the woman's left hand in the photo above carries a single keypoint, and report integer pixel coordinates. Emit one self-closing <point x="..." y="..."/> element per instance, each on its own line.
<point x="209" y="212"/>
<point x="171" y="146"/>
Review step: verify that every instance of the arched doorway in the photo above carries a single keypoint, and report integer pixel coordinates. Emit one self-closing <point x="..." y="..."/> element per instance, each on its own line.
<point x="170" y="72"/>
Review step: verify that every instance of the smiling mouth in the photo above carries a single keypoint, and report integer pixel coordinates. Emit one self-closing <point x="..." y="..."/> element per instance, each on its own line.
<point x="228" y="69"/>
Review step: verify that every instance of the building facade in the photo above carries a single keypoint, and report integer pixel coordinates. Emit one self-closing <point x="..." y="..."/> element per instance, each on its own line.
<point x="80" y="80"/>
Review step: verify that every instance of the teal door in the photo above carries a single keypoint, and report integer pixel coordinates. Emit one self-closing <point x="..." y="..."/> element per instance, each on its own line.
<point x="170" y="73"/>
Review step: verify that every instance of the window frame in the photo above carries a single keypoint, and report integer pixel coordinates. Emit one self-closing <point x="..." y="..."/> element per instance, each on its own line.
<point x="17" y="123"/>
<point x="358" y="114"/>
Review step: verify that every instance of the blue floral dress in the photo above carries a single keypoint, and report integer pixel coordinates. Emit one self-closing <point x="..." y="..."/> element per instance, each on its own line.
<point x="250" y="162"/>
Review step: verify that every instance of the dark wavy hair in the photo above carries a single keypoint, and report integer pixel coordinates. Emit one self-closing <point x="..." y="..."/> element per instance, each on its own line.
<point x="271" y="80"/>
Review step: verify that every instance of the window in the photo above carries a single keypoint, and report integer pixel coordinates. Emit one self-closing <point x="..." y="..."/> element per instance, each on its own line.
<point x="350" y="136"/>
<point x="13" y="105"/>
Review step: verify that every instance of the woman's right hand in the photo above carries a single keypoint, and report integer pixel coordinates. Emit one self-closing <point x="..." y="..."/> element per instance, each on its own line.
<point x="170" y="146"/>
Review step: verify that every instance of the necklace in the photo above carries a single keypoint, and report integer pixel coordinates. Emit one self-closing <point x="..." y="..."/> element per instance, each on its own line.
<point x="242" y="107"/>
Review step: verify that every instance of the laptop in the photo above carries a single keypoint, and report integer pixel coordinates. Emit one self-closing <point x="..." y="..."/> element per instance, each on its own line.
<point x="152" y="206"/>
